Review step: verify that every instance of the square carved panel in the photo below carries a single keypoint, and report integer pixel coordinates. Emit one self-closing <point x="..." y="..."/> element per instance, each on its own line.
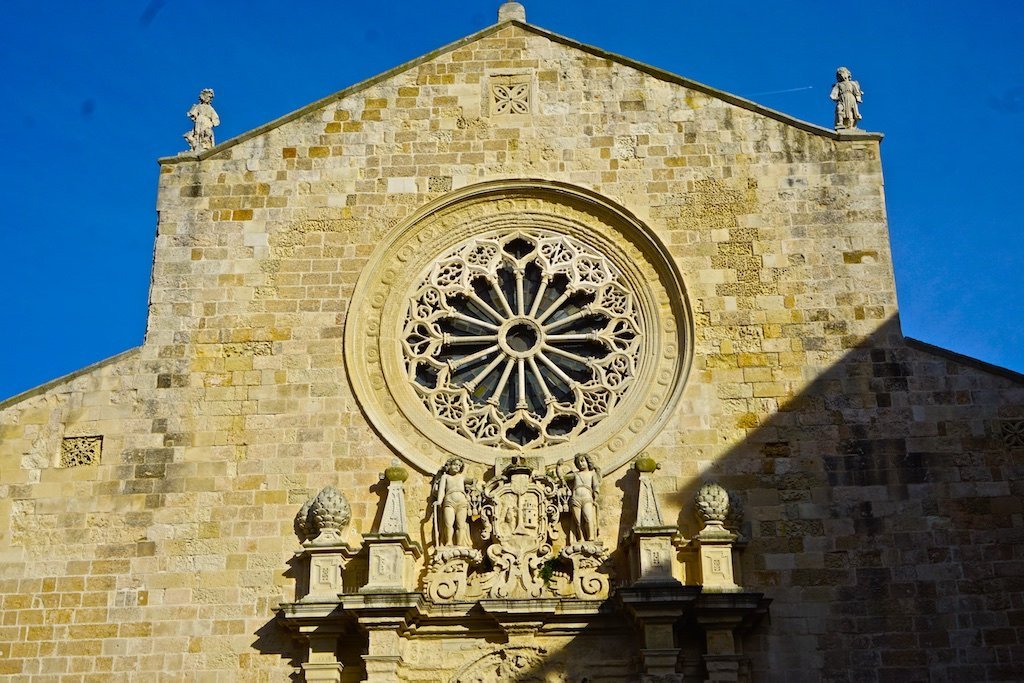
<point x="80" y="450"/>
<point x="510" y="94"/>
<point x="1013" y="433"/>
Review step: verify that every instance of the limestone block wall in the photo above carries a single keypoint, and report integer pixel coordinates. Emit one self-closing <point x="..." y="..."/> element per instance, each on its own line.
<point x="881" y="489"/>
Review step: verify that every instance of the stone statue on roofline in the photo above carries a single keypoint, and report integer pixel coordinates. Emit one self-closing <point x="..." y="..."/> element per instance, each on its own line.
<point x="204" y="118"/>
<point x="846" y="93"/>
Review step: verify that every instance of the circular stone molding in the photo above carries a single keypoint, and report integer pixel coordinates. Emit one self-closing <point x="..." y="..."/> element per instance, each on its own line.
<point x="519" y="318"/>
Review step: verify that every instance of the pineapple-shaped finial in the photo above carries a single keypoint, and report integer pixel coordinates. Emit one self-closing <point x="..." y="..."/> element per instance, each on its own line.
<point x="329" y="514"/>
<point x="712" y="504"/>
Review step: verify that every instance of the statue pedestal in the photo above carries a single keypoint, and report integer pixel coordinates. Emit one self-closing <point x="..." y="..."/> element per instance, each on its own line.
<point x="392" y="561"/>
<point x="714" y="548"/>
<point x="651" y="555"/>
<point x="325" y="567"/>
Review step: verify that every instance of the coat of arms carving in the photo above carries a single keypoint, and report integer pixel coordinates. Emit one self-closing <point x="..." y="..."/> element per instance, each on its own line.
<point x="520" y="513"/>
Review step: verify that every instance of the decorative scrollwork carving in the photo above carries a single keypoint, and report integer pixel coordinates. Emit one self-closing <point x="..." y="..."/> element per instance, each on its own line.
<point x="521" y="339"/>
<point x="447" y="576"/>
<point x="589" y="571"/>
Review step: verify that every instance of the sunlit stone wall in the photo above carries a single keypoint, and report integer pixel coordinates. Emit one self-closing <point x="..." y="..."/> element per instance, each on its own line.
<point x="877" y="478"/>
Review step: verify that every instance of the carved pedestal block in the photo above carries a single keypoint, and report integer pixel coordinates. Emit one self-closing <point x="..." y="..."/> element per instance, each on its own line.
<point x="325" y="567"/>
<point x="714" y="546"/>
<point x="652" y="555"/>
<point x="392" y="561"/>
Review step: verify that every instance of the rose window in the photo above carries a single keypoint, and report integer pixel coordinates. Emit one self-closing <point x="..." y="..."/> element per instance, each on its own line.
<point x="521" y="339"/>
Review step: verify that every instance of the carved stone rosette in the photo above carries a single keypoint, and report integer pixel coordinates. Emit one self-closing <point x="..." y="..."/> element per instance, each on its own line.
<point x="549" y="321"/>
<point x="519" y="317"/>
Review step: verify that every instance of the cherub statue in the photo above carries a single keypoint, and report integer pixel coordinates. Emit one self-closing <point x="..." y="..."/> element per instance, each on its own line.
<point x="204" y="118"/>
<point x="846" y="93"/>
<point x="585" y="482"/>
<point x="452" y="505"/>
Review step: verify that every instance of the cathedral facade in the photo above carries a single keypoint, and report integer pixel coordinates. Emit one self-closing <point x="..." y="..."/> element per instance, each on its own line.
<point x="521" y="361"/>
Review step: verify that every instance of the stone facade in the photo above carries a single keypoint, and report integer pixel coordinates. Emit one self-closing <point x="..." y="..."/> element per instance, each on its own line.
<point x="147" y="504"/>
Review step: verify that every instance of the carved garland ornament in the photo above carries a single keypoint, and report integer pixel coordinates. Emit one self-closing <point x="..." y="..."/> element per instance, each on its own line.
<point x="513" y="317"/>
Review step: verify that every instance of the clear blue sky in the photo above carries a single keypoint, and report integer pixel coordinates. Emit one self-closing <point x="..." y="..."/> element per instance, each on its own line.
<point x="96" y="91"/>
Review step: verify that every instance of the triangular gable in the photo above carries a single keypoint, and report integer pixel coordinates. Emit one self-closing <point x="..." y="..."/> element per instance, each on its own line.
<point x="660" y="74"/>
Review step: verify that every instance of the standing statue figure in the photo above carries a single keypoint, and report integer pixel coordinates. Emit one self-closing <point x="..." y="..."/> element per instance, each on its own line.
<point x="452" y="505"/>
<point x="846" y="93"/>
<point x="585" y="482"/>
<point x="204" y="118"/>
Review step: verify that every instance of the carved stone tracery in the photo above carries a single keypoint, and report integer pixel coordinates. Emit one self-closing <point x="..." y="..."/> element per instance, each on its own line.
<point x="510" y="94"/>
<point x="80" y="450"/>
<point x="410" y="360"/>
<point x="521" y="338"/>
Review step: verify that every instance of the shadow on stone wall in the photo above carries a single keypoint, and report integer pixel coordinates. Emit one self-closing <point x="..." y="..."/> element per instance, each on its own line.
<point x="883" y="517"/>
<point x="883" y="514"/>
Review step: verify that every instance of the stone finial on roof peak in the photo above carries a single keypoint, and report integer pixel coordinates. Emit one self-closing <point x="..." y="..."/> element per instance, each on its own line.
<point x="511" y="10"/>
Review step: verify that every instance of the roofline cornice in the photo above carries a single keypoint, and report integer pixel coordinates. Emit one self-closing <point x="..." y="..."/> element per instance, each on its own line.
<point x="969" y="361"/>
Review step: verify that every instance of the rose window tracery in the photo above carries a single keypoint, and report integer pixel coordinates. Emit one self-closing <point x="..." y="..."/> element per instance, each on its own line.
<point x="521" y="339"/>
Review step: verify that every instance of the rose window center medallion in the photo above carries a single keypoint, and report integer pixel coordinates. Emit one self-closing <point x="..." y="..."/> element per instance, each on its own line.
<point x="521" y="339"/>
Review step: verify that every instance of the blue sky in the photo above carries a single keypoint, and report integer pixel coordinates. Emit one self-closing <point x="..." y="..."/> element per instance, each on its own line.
<point x="97" y="91"/>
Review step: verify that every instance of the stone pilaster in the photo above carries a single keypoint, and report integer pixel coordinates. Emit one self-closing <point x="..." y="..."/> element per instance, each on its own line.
<point x="384" y="652"/>
<point x="322" y="665"/>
